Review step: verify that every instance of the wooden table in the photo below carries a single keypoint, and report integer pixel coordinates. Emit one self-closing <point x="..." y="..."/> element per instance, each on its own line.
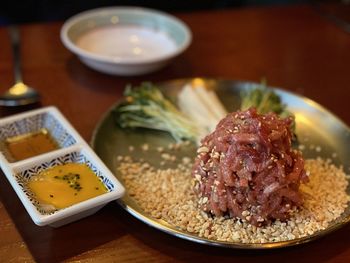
<point x="293" y="47"/>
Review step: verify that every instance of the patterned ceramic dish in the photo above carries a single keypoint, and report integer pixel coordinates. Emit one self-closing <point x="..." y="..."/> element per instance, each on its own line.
<point x="125" y="40"/>
<point x="71" y="149"/>
<point x="30" y="123"/>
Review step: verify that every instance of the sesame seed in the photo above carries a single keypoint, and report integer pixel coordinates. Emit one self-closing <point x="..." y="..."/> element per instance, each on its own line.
<point x="145" y="147"/>
<point x="160" y="149"/>
<point x="203" y="149"/>
<point x="168" y="194"/>
<point x="131" y="148"/>
<point x="301" y="147"/>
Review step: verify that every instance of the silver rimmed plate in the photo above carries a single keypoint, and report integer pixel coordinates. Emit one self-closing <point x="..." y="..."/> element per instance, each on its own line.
<point x="315" y="126"/>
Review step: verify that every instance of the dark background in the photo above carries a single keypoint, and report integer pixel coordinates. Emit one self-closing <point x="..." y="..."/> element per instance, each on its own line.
<point x="27" y="11"/>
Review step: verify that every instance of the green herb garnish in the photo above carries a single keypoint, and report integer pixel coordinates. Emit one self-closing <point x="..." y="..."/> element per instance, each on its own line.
<point x="72" y="180"/>
<point x="146" y="107"/>
<point x="265" y="100"/>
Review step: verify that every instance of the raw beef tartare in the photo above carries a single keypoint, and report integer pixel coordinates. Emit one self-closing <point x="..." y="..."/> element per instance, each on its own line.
<point x="247" y="168"/>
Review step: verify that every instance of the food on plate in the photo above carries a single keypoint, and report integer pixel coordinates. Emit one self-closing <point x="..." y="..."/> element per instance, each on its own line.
<point x="300" y="198"/>
<point x="146" y="107"/>
<point x="168" y="194"/>
<point x="247" y="168"/>
<point x="31" y="144"/>
<point x="201" y="105"/>
<point x="64" y="185"/>
<point x="266" y="100"/>
<point x="199" y="109"/>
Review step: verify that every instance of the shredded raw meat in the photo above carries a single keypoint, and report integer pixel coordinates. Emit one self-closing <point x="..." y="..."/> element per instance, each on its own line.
<point x="247" y="168"/>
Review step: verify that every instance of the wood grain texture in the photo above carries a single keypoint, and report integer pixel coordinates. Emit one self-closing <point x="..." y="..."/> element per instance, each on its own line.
<point x="293" y="47"/>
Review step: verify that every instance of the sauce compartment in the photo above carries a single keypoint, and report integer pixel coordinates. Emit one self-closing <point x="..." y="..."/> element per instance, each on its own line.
<point x="30" y="144"/>
<point x="27" y="135"/>
<point x="39" y="212"/>
<point x="73" y="158"/>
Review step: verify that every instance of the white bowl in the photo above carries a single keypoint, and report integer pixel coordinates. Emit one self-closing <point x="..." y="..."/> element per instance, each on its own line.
<point x="125" y="40"/>
<point x="72" y="149"/>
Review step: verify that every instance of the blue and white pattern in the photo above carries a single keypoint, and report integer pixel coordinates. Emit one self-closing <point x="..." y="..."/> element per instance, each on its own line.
<point x="23" y="177"/>
<point x="34" y="124"/>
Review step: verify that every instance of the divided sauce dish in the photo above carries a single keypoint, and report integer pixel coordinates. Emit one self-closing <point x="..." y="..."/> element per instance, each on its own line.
<point x="71" y="149"/>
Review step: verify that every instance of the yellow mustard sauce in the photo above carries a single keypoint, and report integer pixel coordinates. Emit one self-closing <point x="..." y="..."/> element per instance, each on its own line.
<point x="31" y="144"/>
<point x="65" y="185"/>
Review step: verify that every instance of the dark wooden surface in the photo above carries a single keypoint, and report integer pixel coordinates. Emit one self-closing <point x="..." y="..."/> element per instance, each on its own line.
<point x="293" y="47"/>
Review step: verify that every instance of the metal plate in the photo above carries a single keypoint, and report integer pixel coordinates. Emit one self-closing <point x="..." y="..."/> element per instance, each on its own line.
<point x="315" y="126"/>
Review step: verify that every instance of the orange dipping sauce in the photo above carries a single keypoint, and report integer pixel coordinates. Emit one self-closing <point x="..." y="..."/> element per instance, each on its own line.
<point x="28" y="145"/>
<point x="67" y="184"/>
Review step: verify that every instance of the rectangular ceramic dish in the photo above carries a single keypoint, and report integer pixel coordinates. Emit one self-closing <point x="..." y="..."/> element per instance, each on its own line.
<point x="71" y="149"/>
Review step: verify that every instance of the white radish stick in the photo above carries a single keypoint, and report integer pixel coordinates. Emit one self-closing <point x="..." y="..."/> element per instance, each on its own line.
<point x="211" y="101"/>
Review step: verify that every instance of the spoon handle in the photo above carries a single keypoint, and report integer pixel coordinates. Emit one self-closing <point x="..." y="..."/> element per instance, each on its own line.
<point x="15" y="43"/>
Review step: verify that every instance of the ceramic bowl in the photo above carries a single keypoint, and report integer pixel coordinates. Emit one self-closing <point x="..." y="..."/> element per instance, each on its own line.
<point x="71" y="149"/>
<point x="125" y="41"/>
<point x="32" y="122"/>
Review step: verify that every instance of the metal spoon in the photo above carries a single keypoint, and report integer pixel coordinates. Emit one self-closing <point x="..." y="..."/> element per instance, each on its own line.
<point x="19" y="94"/>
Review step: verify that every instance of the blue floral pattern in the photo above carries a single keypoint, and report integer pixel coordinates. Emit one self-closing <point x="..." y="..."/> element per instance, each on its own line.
<point x="33" y="124"/>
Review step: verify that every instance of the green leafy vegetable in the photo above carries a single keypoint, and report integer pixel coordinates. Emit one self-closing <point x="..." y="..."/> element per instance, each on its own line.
<point x="265" y="100"/>
<point x="145" y="106"/>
